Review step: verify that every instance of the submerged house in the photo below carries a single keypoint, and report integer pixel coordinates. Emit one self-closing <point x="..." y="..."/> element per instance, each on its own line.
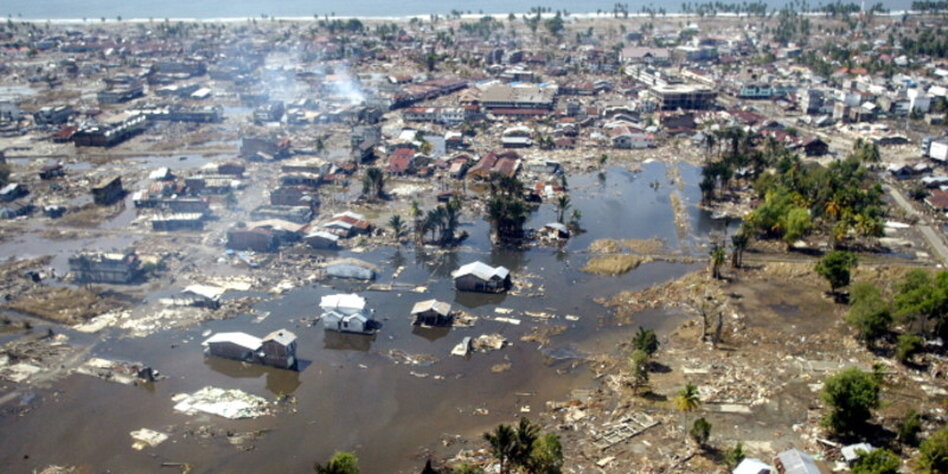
<point x="232" y="345"/>
<point x="481" y="277"/>
<point x="277" y="349"/>
<point x="431" y="313"/>
<point x="346" y="313"/>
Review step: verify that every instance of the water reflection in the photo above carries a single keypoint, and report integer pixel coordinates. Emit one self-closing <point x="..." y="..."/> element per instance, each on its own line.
<point x="473" y="300"/>
<point x="340" y="341"/>
<point x="430" y="333"/>
<point x="279" y="381"/>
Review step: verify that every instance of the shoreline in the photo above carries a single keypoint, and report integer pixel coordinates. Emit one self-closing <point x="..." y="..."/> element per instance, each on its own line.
<point x="408" y="18"/>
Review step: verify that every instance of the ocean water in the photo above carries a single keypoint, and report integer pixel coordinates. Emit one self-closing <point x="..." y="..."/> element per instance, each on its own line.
<point x="210" y="9"/>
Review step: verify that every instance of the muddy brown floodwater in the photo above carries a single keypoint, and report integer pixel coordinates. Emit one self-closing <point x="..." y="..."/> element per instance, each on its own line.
<point x="350" y="394"/>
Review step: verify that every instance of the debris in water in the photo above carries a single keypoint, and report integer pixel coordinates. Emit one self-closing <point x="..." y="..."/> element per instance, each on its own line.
<point x="147" y="438"/>
<point x="233" y="404"/>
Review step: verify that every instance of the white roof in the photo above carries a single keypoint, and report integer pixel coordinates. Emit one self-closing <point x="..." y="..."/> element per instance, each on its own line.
<point x="342" y="302"/>
<point x="324" y="235"/>
<point x="239" y="338"/>
<point x="481" y="270"/>
<point x="439" y="306"/>
<point x="850" y="452"/>
<point x="752" y="466"/>
<point x="206" y="291"/>
<point x="351" y="214"/>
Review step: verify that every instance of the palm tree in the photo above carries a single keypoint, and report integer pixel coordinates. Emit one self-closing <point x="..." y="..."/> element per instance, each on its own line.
<point x="687" y="399"/>
<point x="562" y="205"/>
<point x="373" y="183"/>
<point x="525" y="435"/>
<point x="740" y="241"/>
<point x="398" y="227"/>
<point x="503" y="444"/>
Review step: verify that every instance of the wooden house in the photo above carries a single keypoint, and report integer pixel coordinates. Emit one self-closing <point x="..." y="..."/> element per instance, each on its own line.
<point x="431" y="313"/>
<point x="480" y="277"/>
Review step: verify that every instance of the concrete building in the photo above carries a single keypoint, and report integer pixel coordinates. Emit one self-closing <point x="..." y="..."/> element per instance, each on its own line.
<point x="95" y="267"/>
<point x="682" y="96"/>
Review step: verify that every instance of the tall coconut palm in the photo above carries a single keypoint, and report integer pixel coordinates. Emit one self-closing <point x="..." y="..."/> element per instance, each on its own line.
<point x="398" y="227"/>
<point x="688" y="399"/>
<point x="562" y="205"/>
<point x="503" y="444"/>
<point x="740" y="241"/>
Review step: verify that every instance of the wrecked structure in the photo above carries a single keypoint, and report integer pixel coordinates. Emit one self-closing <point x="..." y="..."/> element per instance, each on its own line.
<point x="96" y="267"/>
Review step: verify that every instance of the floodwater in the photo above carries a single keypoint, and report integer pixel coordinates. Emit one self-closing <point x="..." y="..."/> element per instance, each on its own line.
<point x="351" y="393"/>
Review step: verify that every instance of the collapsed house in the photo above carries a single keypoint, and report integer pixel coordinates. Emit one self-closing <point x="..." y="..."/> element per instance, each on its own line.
<point x="346" y="313"/>
<point x="108" y="191"/>
<point x="277" y="349"/>
<point x="481" y="277"/>
<point x="96" y="267"/>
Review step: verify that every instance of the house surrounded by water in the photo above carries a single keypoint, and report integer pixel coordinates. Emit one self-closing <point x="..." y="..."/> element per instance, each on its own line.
<point x="481" y="277"/>
<point x="431" y="313"/>
<point x="346" y="313"/>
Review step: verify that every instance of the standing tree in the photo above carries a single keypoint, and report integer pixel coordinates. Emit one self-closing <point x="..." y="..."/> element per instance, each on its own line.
<point x="851" y="396"/>
<point x="687" y="399"/>
<point x="740" y="241"/>
<point x="646" y="341"/>
<point x="546" y="457"/>
<point x="502" y="445"/>
<point x="933" y="454"/>
<point x="638" y="364"/>
<point x="835" y="267"/>
<point x="373" y="183"/>
<point x="869" y="313"/>
<point x="340" y="463"/>
<point x="796" y="224"/>
<point x="700" y="432"/>
<point x="734" y="456"/>
<point x="398" y="227"/>
<point x="562" y="205"/>
<point x="718" y="257"/>
<point x="524" y="437"/>
<point x="909" y="428"/>
<point x="878" y="461"/>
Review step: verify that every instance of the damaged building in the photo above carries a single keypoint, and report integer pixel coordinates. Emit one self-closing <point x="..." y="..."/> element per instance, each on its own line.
<point x="97" y="267"/>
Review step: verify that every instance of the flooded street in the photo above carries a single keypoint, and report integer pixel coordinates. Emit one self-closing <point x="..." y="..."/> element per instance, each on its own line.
<point x="358" y="393"/>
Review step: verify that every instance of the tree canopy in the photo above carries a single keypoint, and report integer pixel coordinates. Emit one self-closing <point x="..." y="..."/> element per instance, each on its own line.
<point x="851" y="396"/>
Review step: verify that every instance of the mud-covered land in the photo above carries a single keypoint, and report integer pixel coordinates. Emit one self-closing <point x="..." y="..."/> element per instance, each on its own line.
<point x="268" y="165"/>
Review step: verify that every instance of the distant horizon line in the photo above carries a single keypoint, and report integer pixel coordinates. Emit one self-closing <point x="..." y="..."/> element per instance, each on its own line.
<point x="407" y="18"/>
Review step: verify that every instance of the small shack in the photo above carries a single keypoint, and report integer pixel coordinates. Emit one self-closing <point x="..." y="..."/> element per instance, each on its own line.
<point x="279" y="349"/>
<point x="431" y="313"/>
<point x="346" y="313"/>
<point x="232" y="345"/>
<point x="481" y="277"/>
<point x="321" y="240"/>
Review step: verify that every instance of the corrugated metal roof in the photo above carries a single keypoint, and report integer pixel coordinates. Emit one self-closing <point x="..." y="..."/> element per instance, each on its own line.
<point x="438" y="306"/>
<point x="481" y="270"/>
